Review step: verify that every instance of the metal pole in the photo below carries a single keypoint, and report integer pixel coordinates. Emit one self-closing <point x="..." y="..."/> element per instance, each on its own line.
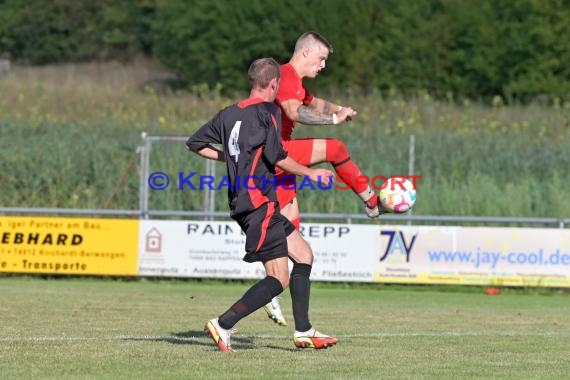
<point x="212" y="204"/>
<point x="142" y="181"/>
<point x="411" y="154"/>
<point x="411" y="161"/>
<point x="209" y="194"/>
<point x="145" y="173"/>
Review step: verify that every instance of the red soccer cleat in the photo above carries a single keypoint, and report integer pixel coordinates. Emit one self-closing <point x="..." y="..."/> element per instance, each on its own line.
<point x="220" y="336"/>
<point x="313" y="339"/>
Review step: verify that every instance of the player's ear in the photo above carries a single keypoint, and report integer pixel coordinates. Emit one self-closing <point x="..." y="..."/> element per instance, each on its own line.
<point x="274" y="83"/>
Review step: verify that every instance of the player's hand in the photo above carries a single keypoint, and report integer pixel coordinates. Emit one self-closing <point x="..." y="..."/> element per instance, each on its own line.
<point x="346" y="114"/>
<point x="323" y="176"/>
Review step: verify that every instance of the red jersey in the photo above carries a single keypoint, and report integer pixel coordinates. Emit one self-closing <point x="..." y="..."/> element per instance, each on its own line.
<point x="290" y="87"/>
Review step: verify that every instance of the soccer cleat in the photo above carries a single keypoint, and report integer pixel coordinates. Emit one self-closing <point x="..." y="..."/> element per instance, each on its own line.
<point x="373" y="207"/>
<point x="313" y="339"/>
<point x="274" y="312"/>
<point x="220" y="336"/>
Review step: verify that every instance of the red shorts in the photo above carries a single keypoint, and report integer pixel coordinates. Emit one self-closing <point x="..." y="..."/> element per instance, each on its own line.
<point x="301" y="151"/>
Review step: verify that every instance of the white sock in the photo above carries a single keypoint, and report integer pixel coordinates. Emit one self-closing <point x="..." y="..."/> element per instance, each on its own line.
<point x="366" y="194"/>
<point x="309" y="332"/>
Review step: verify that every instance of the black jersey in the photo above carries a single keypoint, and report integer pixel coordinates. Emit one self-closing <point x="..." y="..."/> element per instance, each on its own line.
<point x="250" y="133"/>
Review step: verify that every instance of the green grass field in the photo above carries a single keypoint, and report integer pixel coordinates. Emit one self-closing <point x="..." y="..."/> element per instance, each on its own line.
<point x="106" y="329"/>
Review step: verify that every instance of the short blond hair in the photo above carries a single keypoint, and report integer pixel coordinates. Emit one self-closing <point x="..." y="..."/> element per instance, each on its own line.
<point x="311" y="38"/>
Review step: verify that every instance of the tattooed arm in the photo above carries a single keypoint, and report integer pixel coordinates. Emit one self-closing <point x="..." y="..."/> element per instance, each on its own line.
<point x="328" y="108"/>
<point x="307" y="115"/>
<point x="323" y="106"/>
<point x="314" y="113"/>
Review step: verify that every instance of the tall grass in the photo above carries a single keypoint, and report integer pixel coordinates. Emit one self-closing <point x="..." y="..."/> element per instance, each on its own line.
<point x="68" y="138"/>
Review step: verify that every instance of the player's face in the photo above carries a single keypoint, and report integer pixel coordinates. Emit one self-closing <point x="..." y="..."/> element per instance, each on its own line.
<point x="316" y="60"/>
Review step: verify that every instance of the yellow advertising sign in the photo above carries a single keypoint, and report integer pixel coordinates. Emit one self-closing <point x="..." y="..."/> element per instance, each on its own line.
<point x="68" y="245"/>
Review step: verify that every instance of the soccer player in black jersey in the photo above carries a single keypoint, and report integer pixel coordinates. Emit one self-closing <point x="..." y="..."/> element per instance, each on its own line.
<point x="250" y="133"/>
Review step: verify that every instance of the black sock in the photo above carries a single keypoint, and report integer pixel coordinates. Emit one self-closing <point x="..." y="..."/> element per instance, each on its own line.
<point x="257" y="296"/>
<point x="300" y="288"/>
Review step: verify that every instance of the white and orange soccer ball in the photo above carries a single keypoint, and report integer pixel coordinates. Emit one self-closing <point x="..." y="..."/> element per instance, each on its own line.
<point x="398" y="195"/>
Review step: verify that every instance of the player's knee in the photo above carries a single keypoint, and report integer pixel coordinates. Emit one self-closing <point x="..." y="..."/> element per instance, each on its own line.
<point x="305" y="255"/>
<point x="281" y="275"/>
<point x="336" y="151"/>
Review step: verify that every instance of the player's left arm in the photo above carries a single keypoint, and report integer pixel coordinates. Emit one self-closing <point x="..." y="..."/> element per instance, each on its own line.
<point x="317" y="175"/>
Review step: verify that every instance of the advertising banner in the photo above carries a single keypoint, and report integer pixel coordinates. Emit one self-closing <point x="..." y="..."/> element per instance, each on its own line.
<point x="369" y="253"/>
<point x="68" y="245"/>
<point x="215" y="249"/>
<point x="342" y="252"/>
<point x="194" y="249"/>
<point x="475" y="256"/>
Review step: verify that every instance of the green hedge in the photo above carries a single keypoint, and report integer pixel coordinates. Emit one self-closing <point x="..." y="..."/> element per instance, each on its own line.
<point x="517" y="49"/>
<point x="40" y="32"/>
<point x="462" y="48"/>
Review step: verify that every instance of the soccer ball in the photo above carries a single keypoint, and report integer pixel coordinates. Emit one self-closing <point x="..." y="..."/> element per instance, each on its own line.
<point x="398" y="195"/>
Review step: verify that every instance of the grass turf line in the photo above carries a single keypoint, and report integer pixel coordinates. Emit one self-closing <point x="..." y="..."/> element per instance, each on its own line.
<point x="88" y="328"/>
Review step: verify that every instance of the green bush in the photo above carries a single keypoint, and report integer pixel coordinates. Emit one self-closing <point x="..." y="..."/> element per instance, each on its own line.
<point x="518" y="50"/>
<point x="41" y="32"/>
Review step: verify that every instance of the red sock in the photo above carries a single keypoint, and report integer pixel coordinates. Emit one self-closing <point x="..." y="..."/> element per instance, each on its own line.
<point x="339" y="157"/>
<point x="373" y="202"/>
<point x="351" y="175"/>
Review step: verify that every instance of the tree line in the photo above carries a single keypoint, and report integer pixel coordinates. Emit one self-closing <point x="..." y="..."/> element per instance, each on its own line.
<point x="518" y="50"/>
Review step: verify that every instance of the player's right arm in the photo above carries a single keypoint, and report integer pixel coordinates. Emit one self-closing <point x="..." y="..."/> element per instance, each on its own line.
<point x="201" y="141"/>
<point x="306" y="114"/>
<point x="211" y="153"/>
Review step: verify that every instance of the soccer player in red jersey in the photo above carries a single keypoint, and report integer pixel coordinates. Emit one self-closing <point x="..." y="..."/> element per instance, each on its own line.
<point x="298" y="105"/>
<point x="250" y="134"/>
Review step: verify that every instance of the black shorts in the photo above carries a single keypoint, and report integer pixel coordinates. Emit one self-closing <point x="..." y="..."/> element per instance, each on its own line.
<point x="266" y="232"/>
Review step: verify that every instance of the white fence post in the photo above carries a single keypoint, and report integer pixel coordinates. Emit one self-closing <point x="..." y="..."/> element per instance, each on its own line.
<point x="411" y="162"/>
<point x="145" y="160"/>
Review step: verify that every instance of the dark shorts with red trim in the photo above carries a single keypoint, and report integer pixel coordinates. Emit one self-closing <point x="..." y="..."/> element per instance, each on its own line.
<point x="266" y="232"/>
